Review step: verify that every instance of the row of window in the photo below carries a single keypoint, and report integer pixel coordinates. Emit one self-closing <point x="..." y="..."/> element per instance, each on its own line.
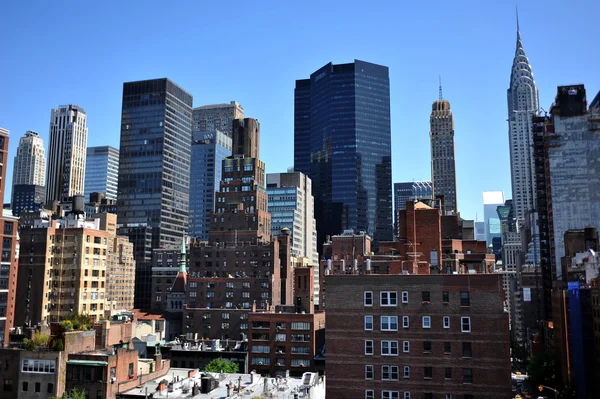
<point x="390" y="298"/>
<point x="370" y="394"/>
<point x="392" y="373"/>
<point x="390" y="323"/>
<point x="390" y="348"/>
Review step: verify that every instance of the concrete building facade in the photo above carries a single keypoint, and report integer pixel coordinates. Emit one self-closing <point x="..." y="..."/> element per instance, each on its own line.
<point x="30" y="161"/>
<point x="209" y="118"/>
<point x="443" y="161"/>
<point x="65" y="174"/>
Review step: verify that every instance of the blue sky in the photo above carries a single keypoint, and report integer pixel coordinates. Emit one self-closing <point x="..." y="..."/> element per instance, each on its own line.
<point x="54" y="53"/>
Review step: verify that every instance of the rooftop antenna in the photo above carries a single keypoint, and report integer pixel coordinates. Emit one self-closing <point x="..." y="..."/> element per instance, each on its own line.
<point x="517" y="8"/>
<point x="441" y="97"/>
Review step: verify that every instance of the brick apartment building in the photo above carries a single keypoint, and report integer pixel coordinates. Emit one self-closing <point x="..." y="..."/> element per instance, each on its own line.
<point x="286" y="338"/>
<point x="9" y="261"/>
<point x="417" y="336"/>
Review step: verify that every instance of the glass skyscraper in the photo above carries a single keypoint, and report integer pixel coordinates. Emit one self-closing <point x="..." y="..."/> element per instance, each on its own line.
<point x="102" y="171"/>
<point x="209" y="149"/>
<point x="154" y="172"/>
<point x="342" y="141"/>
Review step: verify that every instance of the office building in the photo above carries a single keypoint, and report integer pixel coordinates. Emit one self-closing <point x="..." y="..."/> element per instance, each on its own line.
<point x="480" y="231"/>
<point x="8" y="270"/>
<point x="491" y="201"/>
<point x="413" y="336"/>
<point x="209" y="118"/>
<point x="342" y="141"/>
<point x="209" y="149"/>
<point x="102" y="171"/>
<point x="154" y="171"/>
<point x="65" y="174"/>
<point x="409" y="191"/>
<point x="443" y="161"/>
<point x="27" y="197"/>
<point x="523" y="104"/>
<point x="291" y="206"/>
<point x="30" y="161"/>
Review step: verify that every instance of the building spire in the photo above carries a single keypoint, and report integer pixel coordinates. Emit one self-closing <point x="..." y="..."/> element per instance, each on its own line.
<point x="441" y="97"/>
<point x="518" y="30"/>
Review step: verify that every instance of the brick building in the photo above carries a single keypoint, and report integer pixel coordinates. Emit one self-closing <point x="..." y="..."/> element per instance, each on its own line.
<point x="104" y="373"/>
<point x="65" y="264"/>
<point x="9" y="261"/>
<point x="286" y="338"/>
<point x="417" y="336"/>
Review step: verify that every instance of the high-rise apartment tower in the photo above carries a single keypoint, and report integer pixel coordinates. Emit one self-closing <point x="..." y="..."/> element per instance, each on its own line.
<point x="67" y="152"/>
<point x="30" y="161"/>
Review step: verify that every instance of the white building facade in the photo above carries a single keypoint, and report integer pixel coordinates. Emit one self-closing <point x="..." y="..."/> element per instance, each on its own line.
<point x="30" y="161"/>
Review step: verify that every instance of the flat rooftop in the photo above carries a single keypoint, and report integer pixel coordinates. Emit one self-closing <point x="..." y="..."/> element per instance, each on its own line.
<point x="280" y="388"/>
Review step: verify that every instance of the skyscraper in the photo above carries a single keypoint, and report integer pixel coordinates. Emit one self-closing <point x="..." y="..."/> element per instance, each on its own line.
<point x="102" y="171"/>
<point x="30" y="160"/>
<point x="342" y="141"/>
<point x="443" y="161"/>
<point x="220" y="117"/>
<point x="154" y="168"/>
<point x="491" y="201"/>
<point x="523" y="104"/>
<point x="408" y="191"/>
<point x="209" y="149"/>
<point x="66" y="156"/>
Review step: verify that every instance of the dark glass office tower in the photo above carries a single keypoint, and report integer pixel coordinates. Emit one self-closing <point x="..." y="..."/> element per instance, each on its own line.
<point x="342" y="141"/>
<point x="154" y="167"/>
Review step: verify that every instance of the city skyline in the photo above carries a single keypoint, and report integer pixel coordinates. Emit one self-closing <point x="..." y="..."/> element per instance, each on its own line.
<point x="413" y="85"/>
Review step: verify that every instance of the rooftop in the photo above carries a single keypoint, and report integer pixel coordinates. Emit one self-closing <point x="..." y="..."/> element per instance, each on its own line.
<point x="252" y="385"/>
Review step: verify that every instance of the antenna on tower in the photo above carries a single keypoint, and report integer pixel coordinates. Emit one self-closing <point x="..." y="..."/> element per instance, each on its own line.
<point x="441" y="97"/>
<point x="517" y="8"/>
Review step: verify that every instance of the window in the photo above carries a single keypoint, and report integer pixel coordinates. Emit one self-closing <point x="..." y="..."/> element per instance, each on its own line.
<point x="445" y="297"/>
<point x="38" y="386"/>
<point x="390" y="395"/>
<point x="404" y="296"/>
<point x="405" y="346"/>
<point x="427" y="346"/>
<point x="306" y="326"/>
<point x="390" y="372"/>
<point x="406" y="372"/>
<point x="448" y="373"/>
<point x="369" y="394"/>
<point x="369" y="372"/>
<point x="389" y="323"/>
<point x="465" y="324"/>
<point x="388" y="298"/>
<point x="427" y="372"/>
<point x="368" y="298"/>
<point x="25" y="386"/>
<point x="447" y="347"/>
<point x="368" y="323"/>
<point x="468" y="396"/>
<point x="468" y="376"/>
<point x="426" y="296"/>
<point x="131" y="370"/>
<point x="405" y="321"/>
<point x="465" y="299"/>
<point x="467" y="350"/>
<point x="448" y="396"/>
<point x="446" y="322"/>
<point x="428" y="395"/>
<point x="389" y="348"/>
<point x="368" y="347"/>
<point x="8" y="384"/>
<point x="406" y="395"/>
<point x="426" y="321"/>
